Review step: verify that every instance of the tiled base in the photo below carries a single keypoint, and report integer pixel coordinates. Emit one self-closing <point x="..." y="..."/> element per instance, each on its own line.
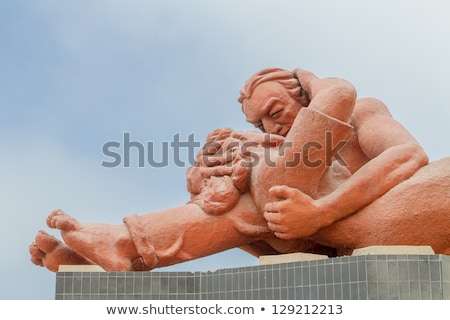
<point x="417" y="277"/>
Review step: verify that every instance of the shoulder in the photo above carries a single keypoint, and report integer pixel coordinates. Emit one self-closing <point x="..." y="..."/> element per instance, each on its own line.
<point x="369" y="109"/>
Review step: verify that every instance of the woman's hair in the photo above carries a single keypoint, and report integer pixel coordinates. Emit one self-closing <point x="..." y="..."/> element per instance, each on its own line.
<point x="222" y="169"/>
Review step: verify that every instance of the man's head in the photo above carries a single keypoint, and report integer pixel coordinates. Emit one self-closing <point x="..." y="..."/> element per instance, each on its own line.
<point x="271" y="99"/>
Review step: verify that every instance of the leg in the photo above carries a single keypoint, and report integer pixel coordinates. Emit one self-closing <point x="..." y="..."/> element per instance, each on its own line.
<point x="303" y="160"/>
<point x="184" y="233"/>
<point x="415" y="212"/>
<point x="156" y="239"/>
<point x="302" y="164"/>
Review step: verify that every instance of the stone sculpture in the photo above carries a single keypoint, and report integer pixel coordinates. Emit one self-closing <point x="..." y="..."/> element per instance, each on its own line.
<point x="329" y="173"/>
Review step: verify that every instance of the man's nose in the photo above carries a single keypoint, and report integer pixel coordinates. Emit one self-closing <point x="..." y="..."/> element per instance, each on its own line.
<point x="277" y="128"/>
<point x="271" y="127"/>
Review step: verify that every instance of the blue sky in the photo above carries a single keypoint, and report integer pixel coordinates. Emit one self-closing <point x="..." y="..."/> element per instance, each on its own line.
<point x="77" y="74"/>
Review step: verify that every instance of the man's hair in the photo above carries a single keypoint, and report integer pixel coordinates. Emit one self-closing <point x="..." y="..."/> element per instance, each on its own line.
<point x="286" y="78"/>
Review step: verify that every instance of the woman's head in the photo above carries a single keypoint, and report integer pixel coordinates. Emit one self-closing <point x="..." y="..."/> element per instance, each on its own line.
<point x="222" y="170"/>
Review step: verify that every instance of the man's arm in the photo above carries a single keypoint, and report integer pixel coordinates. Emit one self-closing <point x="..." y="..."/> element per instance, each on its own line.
<point x="334" y="97"/>
<point x="394" y="155"/>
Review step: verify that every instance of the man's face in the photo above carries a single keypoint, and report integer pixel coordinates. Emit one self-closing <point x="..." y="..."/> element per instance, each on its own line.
<point x="271" y="109"/>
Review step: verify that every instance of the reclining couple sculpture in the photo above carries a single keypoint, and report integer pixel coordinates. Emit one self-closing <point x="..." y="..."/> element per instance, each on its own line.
<point x="327" y="174"/>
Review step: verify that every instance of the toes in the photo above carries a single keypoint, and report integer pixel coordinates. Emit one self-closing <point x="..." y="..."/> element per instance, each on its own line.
<point x="37" y="255"/>
<point x="62" y="221"/>
<point x="46" y="242"/>
<point x="35" y="251"/>
<point x="52" y="217"/>
<point x="37" y="262"/>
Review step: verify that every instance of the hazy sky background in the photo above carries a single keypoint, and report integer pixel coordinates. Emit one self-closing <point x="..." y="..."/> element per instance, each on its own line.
<point x="77" y="74"/>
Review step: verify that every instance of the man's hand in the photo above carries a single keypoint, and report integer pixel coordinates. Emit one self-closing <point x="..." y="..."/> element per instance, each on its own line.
<point x="295" y="215"/>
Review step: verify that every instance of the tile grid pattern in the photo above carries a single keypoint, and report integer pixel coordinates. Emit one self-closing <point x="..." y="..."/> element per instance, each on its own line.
<point x="356" y="278"/>
<point x="416" y="277"/>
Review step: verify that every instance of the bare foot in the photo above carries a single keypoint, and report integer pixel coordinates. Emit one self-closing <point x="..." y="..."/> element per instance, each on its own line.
<point x="49" y="252"/>
<point x="109" y="246"/>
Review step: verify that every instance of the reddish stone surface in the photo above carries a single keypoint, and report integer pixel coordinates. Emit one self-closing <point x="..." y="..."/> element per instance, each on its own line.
<point x="336" y="173"/>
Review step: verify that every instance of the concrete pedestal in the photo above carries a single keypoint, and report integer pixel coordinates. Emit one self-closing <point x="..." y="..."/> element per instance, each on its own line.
<point x="392" y="276"/>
